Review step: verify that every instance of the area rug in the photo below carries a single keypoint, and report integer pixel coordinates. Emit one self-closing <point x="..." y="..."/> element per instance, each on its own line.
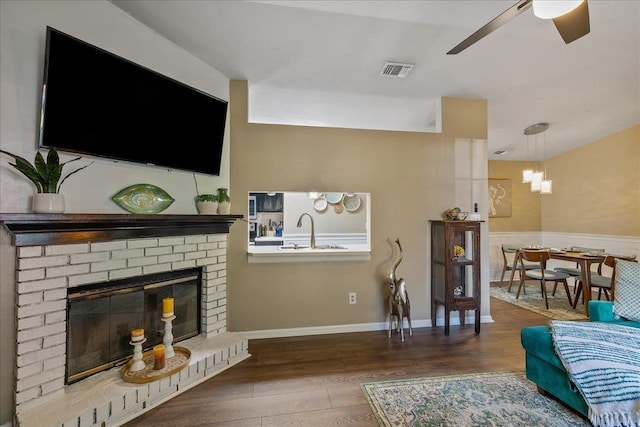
<point x="487" y="399"/>
<point x="559" y="307"/>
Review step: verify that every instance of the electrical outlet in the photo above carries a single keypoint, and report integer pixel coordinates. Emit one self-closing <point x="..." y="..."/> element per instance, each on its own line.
<point x="352" y="297"/>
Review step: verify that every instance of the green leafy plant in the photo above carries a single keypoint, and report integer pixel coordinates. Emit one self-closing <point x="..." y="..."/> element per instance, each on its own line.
<point x="207" y="198"/>
<point x="45" y="175"/>
<point x="223" y="195"/>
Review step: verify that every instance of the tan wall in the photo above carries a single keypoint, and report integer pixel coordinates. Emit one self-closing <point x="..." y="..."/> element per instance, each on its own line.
<point x="525" y="205"/>
<point x="596" y="190"/>
<point x="409" y="176"/>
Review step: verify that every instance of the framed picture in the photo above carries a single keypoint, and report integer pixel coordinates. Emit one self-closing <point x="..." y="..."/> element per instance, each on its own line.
<point x="499" y="197"/>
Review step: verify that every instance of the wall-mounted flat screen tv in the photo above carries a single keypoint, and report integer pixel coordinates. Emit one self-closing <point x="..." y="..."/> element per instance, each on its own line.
<point x="98" y="104"/>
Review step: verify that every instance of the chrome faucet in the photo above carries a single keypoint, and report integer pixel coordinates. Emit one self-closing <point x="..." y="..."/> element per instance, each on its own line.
<point x="313" y="229"/>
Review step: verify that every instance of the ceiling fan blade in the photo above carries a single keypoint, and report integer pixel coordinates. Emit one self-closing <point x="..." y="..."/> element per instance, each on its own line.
<point x="493" y="25"/>
<point x="574" y="24"/>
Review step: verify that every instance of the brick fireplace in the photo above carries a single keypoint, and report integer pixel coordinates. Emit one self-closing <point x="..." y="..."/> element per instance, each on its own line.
<point x="56" y="253"/>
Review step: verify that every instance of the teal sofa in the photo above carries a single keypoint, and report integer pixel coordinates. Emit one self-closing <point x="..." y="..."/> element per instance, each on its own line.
<point x="544" y="368"/>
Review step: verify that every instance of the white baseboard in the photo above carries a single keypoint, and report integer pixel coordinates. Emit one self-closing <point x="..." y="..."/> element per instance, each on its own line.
<point x="360" y="327"/>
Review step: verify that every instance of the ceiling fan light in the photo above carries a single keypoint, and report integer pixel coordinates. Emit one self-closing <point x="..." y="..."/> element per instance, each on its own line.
<point x="545" y="186"/>
<point x="527" y="174"/>
<point x="549" y="9"/>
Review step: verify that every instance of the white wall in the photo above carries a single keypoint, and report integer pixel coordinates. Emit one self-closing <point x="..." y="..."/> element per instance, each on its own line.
<point x="23" y="26"/>
<point x="471" y="174"/>
<point x="22" y="39"/>
<point x="326" y="221"/>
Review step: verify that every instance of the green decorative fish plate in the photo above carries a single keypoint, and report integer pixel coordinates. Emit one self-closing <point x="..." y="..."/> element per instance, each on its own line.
<point x="143" y="199"/>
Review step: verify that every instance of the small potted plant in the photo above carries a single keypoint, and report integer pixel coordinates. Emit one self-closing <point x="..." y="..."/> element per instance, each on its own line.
<point x="224" y="201"/>
<point x="207" y="204"/>
<point x="47" y="177"/>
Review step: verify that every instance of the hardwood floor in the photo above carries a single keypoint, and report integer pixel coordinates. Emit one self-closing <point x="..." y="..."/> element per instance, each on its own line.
<point x="315" y="380"/>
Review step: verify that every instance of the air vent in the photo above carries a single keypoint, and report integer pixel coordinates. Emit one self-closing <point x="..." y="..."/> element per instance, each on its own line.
<point x="396" y="69"/>
<point x="499" y="152"/>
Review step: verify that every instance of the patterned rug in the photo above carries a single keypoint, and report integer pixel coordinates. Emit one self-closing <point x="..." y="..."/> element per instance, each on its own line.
<point x="559" y="307"/>
<point x="488" y="399"/>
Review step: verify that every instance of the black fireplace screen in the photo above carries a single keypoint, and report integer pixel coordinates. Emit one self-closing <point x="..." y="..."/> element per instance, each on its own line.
<point x="100" y="318"/>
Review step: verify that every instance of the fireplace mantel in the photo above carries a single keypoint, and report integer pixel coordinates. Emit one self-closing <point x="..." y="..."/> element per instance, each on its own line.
<point x="57" y="229"/>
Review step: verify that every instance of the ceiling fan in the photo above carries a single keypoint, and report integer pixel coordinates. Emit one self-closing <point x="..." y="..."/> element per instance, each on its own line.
<point x="571" y="18"/>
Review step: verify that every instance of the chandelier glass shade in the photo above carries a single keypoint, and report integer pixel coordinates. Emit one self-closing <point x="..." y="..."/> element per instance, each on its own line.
<point x="546" y="186"/>
<point x="536" y="181"/>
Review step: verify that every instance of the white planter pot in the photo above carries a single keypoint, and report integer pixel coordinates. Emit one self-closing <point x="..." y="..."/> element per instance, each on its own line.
<point x="48" y="203"/>
<point x="224" y="208"/>
<point x="207" y="208"/>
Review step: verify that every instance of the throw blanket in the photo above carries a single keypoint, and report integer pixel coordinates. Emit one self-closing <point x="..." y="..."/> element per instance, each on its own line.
<point x="603" y="361"/>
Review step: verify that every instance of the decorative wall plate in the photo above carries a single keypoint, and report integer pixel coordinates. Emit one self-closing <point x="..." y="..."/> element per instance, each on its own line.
<point x="320" y="204"/>
<point x="333" y="198"/>
<point x="351" y="202"/>
<point x="143" y="199"/>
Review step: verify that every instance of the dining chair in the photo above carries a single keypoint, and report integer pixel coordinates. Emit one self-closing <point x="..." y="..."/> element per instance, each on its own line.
<point x="508" y="256"/>
<point x="541" y="273"/>
<point x="605" y="284"/>
<point x="575" y="272"/>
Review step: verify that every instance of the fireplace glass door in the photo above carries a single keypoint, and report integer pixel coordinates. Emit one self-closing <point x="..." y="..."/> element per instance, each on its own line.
<point x="100" y="318"/>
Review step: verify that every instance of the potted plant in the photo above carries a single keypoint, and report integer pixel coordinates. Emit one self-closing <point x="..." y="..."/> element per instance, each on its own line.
<point x="207" y="204"/>
<point x="47" y="177"/>
<point x="224" y="201"/>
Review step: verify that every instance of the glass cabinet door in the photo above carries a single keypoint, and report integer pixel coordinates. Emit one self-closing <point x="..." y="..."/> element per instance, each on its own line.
<point x="463" y="265"/>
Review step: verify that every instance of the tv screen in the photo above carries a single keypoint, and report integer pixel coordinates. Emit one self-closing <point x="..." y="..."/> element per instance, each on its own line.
<point x="96" y="103"/>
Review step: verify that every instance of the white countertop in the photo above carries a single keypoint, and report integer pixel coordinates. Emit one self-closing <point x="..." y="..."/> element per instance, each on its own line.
<point x="272" y="254"/>
<point x="269" y="239"/>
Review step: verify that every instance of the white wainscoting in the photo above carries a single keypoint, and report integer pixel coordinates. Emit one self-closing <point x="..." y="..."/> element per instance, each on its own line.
<point x="617" y="245"/>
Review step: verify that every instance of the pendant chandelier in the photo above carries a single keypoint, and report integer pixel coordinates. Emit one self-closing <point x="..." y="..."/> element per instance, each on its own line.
<point x="537" y="178"/>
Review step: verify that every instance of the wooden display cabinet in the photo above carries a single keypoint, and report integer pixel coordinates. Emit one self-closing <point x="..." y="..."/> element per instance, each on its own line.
<point x="455" y="280"/>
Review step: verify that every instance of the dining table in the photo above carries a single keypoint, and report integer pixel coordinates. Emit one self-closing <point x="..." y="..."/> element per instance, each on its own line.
<point x="583" y="259"/>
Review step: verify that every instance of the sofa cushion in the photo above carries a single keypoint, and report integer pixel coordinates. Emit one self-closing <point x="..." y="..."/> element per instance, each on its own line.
<point x="627" y="290"/>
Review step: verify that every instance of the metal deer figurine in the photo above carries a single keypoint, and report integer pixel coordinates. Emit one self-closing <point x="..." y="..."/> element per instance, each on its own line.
<point x="399" y="305"/>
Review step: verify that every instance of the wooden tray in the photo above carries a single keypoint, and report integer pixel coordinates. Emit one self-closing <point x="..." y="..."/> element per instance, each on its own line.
<point x="172" y="365"/>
